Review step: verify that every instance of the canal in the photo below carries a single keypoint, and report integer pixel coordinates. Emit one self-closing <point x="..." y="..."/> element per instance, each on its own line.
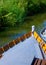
<point x="12" y="33"/>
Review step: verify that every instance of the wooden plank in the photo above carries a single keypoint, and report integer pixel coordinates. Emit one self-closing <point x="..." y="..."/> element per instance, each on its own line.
<point x="1" y="50"/>
<point x="18" y="39"/>
<point x="43" y="62"/>
<point x="39" y="62"/>
<point x="1" y="56"/>
<point x="28" y="34"/>
<point x="11" y="44"/>
<point x="6" y="47"/>
<point x="23" y="37"/>
<point x="36" y="61"/>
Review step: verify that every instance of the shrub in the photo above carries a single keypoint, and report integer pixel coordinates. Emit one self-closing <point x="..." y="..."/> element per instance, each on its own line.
<point x="35" y="8"/>
<point x="17" y="8"/>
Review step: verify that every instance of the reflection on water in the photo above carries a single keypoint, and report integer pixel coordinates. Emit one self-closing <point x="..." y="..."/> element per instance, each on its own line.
<point x="44" y="23"/>
<point x="41" y="26"/>
<point x="39" y="21"/>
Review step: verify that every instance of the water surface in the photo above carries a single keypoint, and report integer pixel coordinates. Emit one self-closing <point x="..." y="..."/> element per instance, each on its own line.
<point x="38" y="20"/>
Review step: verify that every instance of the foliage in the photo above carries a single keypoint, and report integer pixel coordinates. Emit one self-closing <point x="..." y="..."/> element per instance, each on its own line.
<point x="17" y="8"/>
<point x="35" y="8"/>
<point x="13" y="12"/>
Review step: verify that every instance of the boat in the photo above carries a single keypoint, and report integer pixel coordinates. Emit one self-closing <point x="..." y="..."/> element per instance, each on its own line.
<point x="43" y="34"/>
<point x="25" y="50"/>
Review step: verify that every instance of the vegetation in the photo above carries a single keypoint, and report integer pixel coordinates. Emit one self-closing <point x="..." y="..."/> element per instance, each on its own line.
<point x="13" y="12"/>
<point x="16" y="10"/>
<point x="36" y="8"/>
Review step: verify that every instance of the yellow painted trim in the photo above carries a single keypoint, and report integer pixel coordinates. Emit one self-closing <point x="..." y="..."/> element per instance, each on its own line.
<point x="40" y="41"/>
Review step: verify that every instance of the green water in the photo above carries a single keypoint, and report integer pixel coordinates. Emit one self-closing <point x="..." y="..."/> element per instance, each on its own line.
<point x="38" y="20"/>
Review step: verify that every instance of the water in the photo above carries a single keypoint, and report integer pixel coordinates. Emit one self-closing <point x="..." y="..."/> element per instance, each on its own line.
<point x="41" y="26"/>
<point x="38" y="20"/>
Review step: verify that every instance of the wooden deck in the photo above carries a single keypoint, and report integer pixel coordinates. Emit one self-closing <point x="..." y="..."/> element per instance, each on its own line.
<point x="39" y="62"/>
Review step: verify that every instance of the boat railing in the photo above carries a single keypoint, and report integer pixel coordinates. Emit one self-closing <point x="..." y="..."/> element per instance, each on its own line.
<point x="14" y="42"/>
<point x="21" y="39"/>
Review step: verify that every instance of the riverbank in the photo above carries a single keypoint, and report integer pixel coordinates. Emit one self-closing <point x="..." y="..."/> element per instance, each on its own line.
<point x="14" y="32"/>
